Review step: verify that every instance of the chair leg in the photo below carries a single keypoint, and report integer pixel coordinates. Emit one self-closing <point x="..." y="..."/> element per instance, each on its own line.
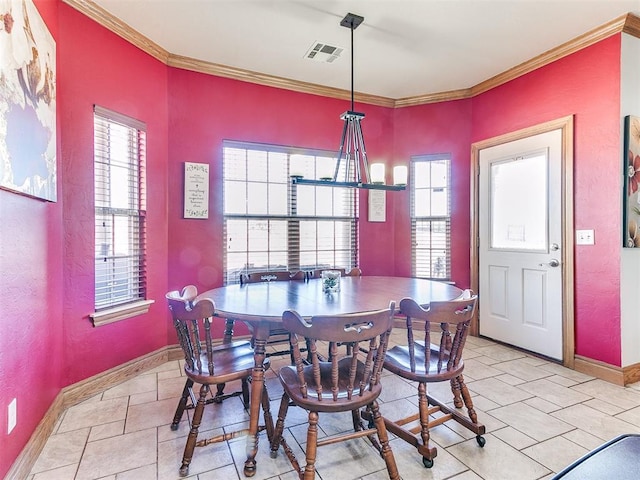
<point x="266" y="412"/>
<point x="245" y="393"/>
<point x="193" y="433"/>
<point x="277" y="434"/>
<point x="455" y="390"/>
<point x="219" y="393"/>
<point x="423" y="409"/>
<point x="312" y="447"/>
<point x="182" y="404"/>
<point x="467" y="399"/>
<point x="385" y="451"/>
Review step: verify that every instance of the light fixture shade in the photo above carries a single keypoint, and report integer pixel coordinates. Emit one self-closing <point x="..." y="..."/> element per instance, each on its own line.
<point x="400" y="174"/>
<point x="377" y="173"/>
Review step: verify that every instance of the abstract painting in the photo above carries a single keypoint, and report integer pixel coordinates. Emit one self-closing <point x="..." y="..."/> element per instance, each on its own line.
<point x="27" y="101"/>
<point x="631" y="202"/>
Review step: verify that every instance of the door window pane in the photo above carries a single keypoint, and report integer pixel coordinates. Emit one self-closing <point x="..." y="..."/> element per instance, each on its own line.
<point x="518" y="203"/>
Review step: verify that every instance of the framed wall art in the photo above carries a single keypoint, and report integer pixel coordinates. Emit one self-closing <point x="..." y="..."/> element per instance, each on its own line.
<point x="27" y="102"/>
<point x="631" y="201"/>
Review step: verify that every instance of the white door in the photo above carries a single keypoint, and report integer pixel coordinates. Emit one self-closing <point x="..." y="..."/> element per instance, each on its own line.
<point x="520" y="241"/>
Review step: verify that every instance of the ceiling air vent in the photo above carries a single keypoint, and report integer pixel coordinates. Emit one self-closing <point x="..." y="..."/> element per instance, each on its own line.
<point x="321" y="52"/>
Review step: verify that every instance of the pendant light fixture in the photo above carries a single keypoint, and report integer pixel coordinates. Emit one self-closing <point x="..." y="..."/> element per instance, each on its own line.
<point x="352" y="149"/>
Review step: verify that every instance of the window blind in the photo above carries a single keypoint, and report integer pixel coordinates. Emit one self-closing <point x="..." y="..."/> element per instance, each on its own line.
<point x="120" y="209"/>
<point x="431" y="216"/>
<point x="270" y="224"/>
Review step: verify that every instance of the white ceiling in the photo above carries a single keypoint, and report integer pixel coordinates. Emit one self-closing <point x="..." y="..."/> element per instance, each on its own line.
<point x="404" y="48"/>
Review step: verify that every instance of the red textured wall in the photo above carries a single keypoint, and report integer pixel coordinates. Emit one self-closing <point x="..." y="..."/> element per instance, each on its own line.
<point x="46" y="249"/>
<point x="206" y="110"/>
<point x="587" y="85"/>
<point x="98" y="67"/>
<point x="431" y="129"/>
<point x="31" y="326"/>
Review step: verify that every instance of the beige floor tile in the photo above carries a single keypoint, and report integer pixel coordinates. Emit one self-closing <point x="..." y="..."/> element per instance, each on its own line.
<point x="140" y="384"/>
<point x="522" y="369"/>
<point x="474" y="369"/>
<point x="61" y="450"/>
<point x="94" y="413"/>
<point x="534" y="423"/>
<point x="595" y="422"/>
<point x="118" y="454"/>
<point x="497" y="460"/>
<point x="500" y="353"/>
<point x="554" y="393"/>
<point x="62" y="473"/>
<point x="150" y="415"/>
<point x="106" y="430"/>
<point x="515" y="438"/>
<point x="518" y="397"/>
<point x="498" y="391"/>
<point x="555" y="453"/>
<point x="410" y="466"/>
<point x="584" y="439"/>
<point x="211" y="457"/>
<point x="148" y="472"/>
<point x="542" y="405"/>
<point x="626" y="398"/>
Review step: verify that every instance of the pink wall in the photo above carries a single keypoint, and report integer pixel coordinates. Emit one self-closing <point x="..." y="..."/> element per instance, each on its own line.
<point x="586" y="85"/>
<point x="431" y="129"/>
<point x="206" y="110"/>
<point x="31" y="264"/>
<point x="46" y="253"/>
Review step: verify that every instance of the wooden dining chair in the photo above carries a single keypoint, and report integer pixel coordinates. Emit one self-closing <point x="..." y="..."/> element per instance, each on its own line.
<point x="188" y="398"/>
<point x="208" y="363"/>
<point x="277" y="335"/>
<point x="346" y="383"/>
<point x="424" y="362"/>
<point x="317" y="273"/>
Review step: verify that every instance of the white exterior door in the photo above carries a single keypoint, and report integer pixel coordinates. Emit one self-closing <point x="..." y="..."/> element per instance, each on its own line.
<point x="520" y="241"/>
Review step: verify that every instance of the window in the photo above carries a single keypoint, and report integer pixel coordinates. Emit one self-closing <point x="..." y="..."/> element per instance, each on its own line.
<point x="120" y="209"/>
<point x="271" y="224"/>
<point x="431" y="216"/>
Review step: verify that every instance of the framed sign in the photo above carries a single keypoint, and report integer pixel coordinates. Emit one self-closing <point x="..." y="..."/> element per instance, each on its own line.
<point x="377" y="205"/>
<point x="196" y="190"/>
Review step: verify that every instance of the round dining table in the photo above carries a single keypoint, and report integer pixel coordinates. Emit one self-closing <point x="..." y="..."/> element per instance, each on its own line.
<point x="262" y="304"/>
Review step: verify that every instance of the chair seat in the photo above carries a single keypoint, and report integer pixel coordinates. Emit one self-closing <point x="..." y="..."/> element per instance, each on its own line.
<point x="398" y="361"/>
<point x="291" y="383"/>
<point x="231" y="362"/>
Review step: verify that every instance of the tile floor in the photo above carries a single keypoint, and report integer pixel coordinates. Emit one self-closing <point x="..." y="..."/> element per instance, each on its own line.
<point x="539" y="417"/>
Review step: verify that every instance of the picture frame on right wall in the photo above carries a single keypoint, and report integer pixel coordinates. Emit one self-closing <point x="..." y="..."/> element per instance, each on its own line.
<point x="631" y="188"/>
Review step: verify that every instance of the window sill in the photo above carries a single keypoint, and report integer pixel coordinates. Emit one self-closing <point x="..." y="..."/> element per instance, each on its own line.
<point x="121" y="312"/>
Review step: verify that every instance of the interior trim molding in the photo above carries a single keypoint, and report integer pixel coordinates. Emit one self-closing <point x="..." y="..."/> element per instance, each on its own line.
<point x="82" y="390"/>
<point x="619" y="375"/>
<point x="628" y="23"/>
<point x="565" y="124"/>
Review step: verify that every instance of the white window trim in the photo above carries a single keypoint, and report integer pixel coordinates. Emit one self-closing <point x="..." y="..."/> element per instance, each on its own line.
<point x="120" y="312"/>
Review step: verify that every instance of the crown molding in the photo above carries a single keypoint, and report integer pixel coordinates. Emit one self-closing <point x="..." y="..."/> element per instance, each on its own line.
<point x="195" y="65"/>
<point x="628" y="23"/>
<point x="117" y="26"/>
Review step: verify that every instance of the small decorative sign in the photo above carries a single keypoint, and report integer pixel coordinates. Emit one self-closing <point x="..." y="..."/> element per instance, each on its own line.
<point x="377" y="205"/>
<point x="196" y="190"/>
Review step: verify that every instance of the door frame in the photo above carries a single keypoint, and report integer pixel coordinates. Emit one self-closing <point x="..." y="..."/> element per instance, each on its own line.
<point x="564" y="124"/>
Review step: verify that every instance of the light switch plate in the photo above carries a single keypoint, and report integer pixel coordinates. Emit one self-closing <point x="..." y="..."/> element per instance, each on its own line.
<point x="585" y="237"/>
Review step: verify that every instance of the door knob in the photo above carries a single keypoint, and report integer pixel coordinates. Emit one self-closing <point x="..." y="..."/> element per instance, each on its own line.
<point x="552" y="263"/>
<point x="555" y="247"/>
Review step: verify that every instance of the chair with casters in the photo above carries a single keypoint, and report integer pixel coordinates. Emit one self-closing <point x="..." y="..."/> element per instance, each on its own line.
<point x="346" y="383"/>
<point x="427" y="362"/>
<point x="209" y="363"/>
<point x="277" y="335"/>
